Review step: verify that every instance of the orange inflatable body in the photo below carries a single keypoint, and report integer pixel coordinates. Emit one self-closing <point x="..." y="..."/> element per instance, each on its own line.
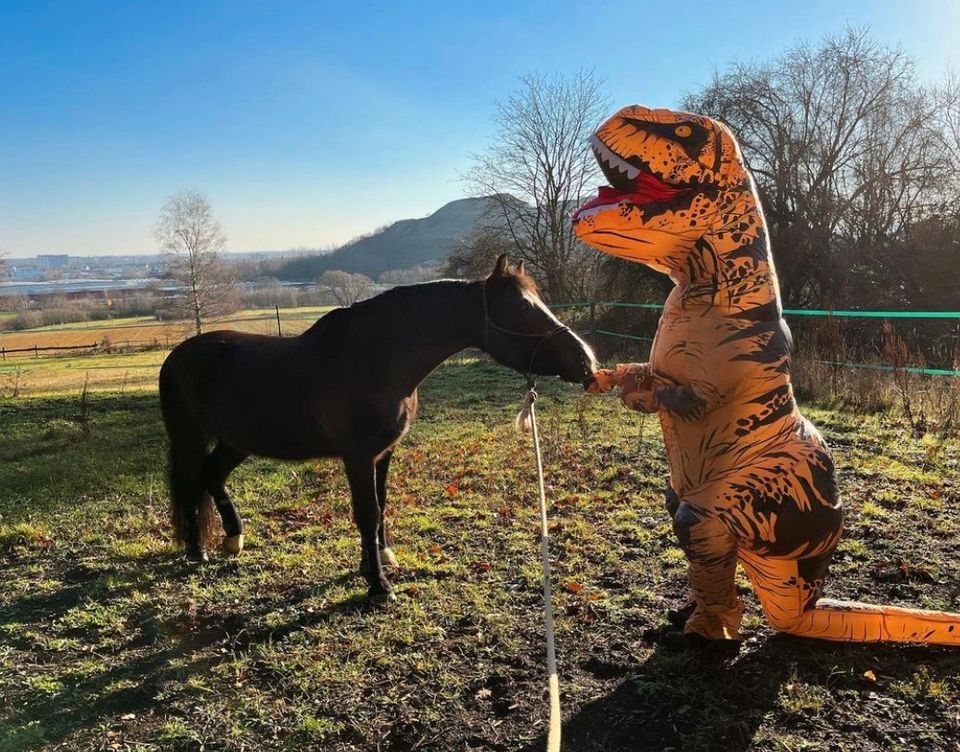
<point x="751" y="480"/>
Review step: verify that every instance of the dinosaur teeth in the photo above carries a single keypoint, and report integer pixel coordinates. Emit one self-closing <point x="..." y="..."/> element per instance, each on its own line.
<point x="612" y="159"/>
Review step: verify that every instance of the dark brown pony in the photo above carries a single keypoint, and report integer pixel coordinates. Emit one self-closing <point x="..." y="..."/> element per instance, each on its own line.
<point x="347" y="387"/>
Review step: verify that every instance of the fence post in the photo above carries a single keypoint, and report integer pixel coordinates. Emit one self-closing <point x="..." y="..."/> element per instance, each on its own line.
<point x="593" y="318"/>
<point x="279" y="332"/>
<point x="36" y="351"/>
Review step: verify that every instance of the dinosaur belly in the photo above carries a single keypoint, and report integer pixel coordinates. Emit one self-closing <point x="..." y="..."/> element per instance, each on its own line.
<point x="742" y="379"/>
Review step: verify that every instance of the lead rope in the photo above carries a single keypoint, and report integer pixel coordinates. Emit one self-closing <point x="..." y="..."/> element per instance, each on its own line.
<point x="527" y="422"/>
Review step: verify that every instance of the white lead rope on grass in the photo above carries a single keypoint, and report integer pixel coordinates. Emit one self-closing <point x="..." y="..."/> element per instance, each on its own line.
<point x="527" y="422"/>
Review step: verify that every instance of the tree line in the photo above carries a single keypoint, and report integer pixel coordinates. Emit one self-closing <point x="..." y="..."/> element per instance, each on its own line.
<point x="856" y="159"/>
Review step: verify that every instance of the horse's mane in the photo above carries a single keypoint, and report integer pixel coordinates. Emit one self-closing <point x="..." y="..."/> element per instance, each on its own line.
<point x="400" y="293"/>
<point x="527" y="283"/>
<point x="396" y="294"/>
<point x="403" y="295"/>
<point x="396" y="298"/>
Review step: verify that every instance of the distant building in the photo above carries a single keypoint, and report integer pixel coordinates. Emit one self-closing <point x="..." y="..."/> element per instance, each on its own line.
<point x="53" y="260"/>
<point x="24" y="270"/>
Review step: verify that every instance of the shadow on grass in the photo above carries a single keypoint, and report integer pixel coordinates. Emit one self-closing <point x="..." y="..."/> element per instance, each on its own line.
<point x="48" y="464"/>
<point x="160" y="648"/>
<point x="692" y="702"/>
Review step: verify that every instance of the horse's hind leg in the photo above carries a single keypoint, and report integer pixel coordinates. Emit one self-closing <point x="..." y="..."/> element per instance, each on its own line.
<point x="189" y="507"/>
<point x="216" y="468"/>
<point x="361" y="473"/>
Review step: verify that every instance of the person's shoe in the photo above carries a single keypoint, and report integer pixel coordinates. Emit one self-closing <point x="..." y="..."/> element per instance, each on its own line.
<point x="678" y="616"/>
<point x="680" y="642"/>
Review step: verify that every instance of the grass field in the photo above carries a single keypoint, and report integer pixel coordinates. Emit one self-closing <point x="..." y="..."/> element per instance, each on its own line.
<point x="109" y="640"/>
<point x="144" y="330"/>
<point x="117" y="373"/>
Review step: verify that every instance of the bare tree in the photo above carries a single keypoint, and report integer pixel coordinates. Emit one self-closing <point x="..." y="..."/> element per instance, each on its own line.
<point x="412" y="275"/>
<point x="346" y="288"/>
<point x="948" y="95"/>
<point x="846" y="149"/>
<point x="192" y="241"/>
<point x="536" y="172"/>
<point x="473" y="255"/>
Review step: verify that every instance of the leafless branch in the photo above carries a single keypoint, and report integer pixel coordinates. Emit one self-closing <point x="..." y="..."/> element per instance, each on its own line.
<point x="192" y="241"/>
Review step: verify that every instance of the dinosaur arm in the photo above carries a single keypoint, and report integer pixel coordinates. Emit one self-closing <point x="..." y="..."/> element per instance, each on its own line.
<point x="692" y="376"/>
<point x="691" y="401"/>
<point x="681" y="401"/>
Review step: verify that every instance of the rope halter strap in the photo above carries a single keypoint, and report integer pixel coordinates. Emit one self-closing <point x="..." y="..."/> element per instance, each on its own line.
<point x="542" y="337"/>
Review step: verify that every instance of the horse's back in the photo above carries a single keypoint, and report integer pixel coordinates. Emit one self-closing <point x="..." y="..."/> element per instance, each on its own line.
<point x="318" y="394"/>
<point x="222" y="350"/>
<point x="269" y="396"/>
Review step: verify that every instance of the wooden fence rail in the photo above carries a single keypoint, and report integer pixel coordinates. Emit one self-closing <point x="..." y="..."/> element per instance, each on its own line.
<point x="36" y="349"/>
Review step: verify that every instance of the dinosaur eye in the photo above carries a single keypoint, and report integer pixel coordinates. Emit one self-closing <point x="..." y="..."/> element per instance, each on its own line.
<point x="683" y="131"/>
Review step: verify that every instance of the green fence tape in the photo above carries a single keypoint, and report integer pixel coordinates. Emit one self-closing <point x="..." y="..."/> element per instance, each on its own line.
<point x="885" y="367"/>
<point x="874" y="314"/>
<point x="655" y="306"/>
<point x="795" y="311"/>
<point x="625" y="336"/>
<point x="806" y="312"/>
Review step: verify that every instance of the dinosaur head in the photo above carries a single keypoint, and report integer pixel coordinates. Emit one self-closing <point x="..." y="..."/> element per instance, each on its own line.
<point x="668" y="172"/>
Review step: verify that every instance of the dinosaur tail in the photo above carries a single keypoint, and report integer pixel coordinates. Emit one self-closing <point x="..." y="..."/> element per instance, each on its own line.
<point x="849" y="621"/>
<point x="789" y="593"/>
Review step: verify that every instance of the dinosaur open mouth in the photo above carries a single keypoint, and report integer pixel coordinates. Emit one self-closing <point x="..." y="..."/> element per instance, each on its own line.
<point x="631" y="182"/>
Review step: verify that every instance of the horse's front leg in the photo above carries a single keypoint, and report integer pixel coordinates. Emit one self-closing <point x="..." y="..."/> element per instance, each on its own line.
<point x="386" y="554"/>
<point x="383" y="466"/>
<point x="361" y="474"/>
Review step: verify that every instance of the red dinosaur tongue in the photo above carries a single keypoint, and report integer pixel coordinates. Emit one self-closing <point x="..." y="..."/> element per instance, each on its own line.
<point x="646" y="189"/>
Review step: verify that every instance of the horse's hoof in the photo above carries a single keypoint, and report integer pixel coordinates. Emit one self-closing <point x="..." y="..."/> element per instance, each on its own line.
<point x="199" y="557"/>
<point x="382" y="598"/>
<point x="233" y="545"/>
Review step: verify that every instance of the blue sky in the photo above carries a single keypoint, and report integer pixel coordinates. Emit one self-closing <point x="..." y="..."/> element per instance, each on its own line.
<point x="308" y="123"/>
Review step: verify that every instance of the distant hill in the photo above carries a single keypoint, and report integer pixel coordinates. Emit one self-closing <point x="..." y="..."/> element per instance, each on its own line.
<point x="409" y="242"/>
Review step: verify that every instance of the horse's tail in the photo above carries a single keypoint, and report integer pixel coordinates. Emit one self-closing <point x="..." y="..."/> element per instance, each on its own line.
<point x="186" y="453"/>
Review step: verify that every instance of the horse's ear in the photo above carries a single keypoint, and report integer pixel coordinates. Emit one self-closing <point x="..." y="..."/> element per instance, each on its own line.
<point x="500" y="269"/>
<point x="520" y="268"/>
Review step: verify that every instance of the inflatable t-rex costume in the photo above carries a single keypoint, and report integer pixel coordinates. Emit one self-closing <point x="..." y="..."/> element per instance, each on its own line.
<point x="751" y="480"/>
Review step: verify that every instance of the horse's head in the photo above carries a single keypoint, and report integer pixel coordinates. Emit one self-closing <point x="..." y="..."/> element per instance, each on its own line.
<point x="519" y="330"/>
<point x="671" y="174"/>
